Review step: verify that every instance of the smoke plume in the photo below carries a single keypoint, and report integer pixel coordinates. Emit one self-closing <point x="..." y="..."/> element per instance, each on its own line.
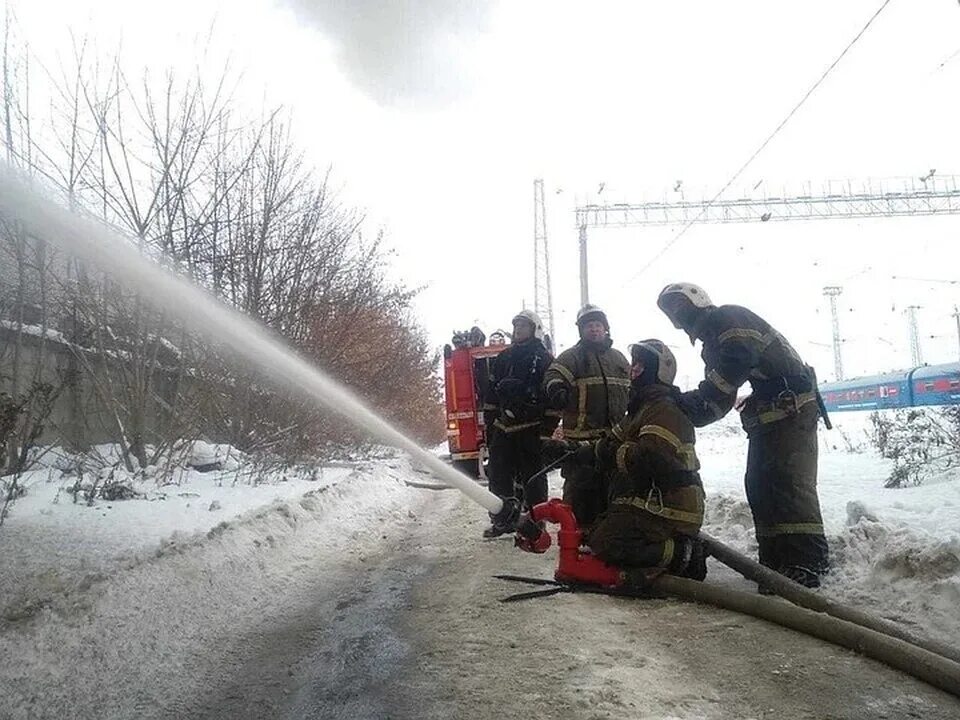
<point x="401" y="52"/>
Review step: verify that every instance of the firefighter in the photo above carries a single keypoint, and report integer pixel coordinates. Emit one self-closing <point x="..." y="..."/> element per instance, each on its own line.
<point x="515" y="419"/>
<point x="589" y="385"/>
<point x="779" y="417"/>
<point x="655" y="495"/>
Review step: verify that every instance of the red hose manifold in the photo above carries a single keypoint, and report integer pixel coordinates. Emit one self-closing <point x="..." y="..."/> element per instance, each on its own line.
<point x="576" y="565"/>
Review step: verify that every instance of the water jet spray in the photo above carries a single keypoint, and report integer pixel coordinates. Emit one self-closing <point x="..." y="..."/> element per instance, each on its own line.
<point x="43" y="218"/>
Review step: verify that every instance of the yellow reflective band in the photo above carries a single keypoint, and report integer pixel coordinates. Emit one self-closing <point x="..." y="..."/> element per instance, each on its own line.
<point x="564" y="372"/>
<point x="790" y="529"/>
<point x="665" y="512"/>
<point x="619" y="382"/>
<point x="622" y="455"/>
<point x="743" y="334"/>
<point x="514" y="428"/>
<point x="668" y="548"/>
<point x="721" y="383"/>
<point x="552" y="413"/>
<point x="774" y="413"/>
<point x="582" y="405"/>
<point x="685" y="451"/>
<point x="617" y="431"/>
<point x="661" y="432"/>
<point x="576" y="434"/>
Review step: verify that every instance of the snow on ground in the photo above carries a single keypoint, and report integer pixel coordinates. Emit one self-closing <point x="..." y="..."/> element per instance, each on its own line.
<point x="896" y="552"/>
<point x="174" y="576"/>
<point x="166" y="582"/>
<point x="52" y="545"/>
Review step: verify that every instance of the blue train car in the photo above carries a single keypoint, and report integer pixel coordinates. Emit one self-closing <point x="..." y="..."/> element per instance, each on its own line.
<point x="925" y="385"/>
<point x="936" y="385"/>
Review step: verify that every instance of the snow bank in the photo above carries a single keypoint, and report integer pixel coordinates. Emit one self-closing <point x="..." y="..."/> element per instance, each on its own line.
<point x="895" y="552"/>
<point x="120" y="589"/>
<point x="54" y="542"/>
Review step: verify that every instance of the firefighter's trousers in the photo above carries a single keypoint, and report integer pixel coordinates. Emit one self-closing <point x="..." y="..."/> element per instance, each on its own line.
<point x="628" y="536"/>
<point x="514" y="458"/>
<point x="585" y="490"/>
<point x="781" y="485"/>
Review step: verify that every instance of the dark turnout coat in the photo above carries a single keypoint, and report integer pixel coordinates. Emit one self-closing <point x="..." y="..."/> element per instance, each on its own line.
<point x="598" y="379"/>
<point x="655" y="493"/>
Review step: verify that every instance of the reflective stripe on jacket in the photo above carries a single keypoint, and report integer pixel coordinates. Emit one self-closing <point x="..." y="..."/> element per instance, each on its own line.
<point x="598" y="379"/>
<point x="657" y="447"/>
<point x="740" y="346"/>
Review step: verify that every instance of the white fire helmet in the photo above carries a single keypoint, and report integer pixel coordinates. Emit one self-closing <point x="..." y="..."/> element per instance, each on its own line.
<point x="682" y="303"/>
<point x="666" y="362"/>
<point x="531" y="317"/>
<point x="592" y="312"/>
<point x="694" y="293"/>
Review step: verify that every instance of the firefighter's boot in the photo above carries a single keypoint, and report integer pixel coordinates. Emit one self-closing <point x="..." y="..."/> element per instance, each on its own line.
<point x="495" y="531"/>
<point x="801" y="575"/>
<point x="697" y="566"/>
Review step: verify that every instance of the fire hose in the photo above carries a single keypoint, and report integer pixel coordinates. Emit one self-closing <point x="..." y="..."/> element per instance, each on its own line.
<point x="813" y="614"/>
<point x="799" y="595"/>
<point x="932" y="668"/>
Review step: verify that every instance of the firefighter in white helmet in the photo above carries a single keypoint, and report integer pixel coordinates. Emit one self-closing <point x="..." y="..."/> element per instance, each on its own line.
<point x="779" y="417"/>
<point x="588" y="386"/>
<point x="514" y="412"/>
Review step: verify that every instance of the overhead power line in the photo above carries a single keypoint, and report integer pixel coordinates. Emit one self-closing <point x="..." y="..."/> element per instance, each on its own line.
<point x="764" y="144"/>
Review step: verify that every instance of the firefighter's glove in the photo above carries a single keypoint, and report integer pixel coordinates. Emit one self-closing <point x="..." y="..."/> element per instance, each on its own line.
<point x="531" y="536"/>
<point x="605" y="452"/>
<point x="509" y="389"/>
<point x="558" y="395"/>
<point x="554" y="449"/>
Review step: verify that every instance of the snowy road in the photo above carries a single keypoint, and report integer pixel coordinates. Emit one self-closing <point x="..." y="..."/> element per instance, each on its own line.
<point x="417" y="632"/>
<point x="368" y="599"/>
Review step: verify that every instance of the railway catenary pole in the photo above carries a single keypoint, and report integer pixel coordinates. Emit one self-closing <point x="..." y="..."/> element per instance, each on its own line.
<point x="956" y="316"/>
<point x="584" y="276"/>
<point x="916" y="357"/>
<point x="833" y="292"/>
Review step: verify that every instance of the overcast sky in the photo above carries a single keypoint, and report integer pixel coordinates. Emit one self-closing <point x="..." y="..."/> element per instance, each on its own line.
<point x="437" y="115"/>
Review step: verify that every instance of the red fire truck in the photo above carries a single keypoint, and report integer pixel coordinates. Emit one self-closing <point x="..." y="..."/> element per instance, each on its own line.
<point x="466" y="371"/>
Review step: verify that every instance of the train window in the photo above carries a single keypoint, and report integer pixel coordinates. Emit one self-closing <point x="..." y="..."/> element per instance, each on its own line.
<point x="954" y="382"/>
<point x="871" y="393"/>
<point x="928" y="386"/>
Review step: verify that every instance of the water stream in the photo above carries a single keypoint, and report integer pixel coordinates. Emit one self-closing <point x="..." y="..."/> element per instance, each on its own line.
<point x="42" y="217"/>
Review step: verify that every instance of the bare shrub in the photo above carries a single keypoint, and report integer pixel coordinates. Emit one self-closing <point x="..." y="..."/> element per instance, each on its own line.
<point x="922" y="442"/>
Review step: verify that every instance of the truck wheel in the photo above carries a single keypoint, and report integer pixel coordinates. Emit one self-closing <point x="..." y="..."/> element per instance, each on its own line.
<point x="469" y="467"/>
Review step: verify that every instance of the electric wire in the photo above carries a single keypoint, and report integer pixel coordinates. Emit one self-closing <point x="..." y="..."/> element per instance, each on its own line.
<point x="660" y="253"/>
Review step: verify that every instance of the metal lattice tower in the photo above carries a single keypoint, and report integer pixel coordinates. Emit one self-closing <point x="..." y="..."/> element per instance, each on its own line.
<point x="930" y="195"/>
<point x="916" y="357"/>
<point x="832" y="292"/>
<point x="542" y="291"/>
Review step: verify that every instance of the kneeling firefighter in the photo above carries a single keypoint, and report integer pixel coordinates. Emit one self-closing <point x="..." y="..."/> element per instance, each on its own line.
<point x="656" y="499"/>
